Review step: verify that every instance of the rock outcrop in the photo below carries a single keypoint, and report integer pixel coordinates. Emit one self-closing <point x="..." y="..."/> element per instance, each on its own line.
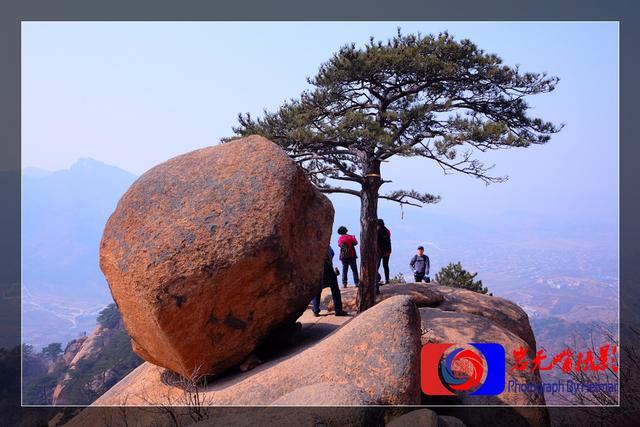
<point x="209" y="252"/>
<point x="356" y="365"/>
<point x="459" y="327"/>
<point x="462" y="316"/>
<point x="73" y="348"/>
<point x="499" y="311"/>
<point x="93" y="364"/>
<point x="77" y="350"/>
<point x="212" y="257"/>
<point x="421" y="294"/>
<point x="366" y="361"/>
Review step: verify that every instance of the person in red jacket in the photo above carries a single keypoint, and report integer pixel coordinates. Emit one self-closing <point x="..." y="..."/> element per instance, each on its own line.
<point x="348" y="255"/>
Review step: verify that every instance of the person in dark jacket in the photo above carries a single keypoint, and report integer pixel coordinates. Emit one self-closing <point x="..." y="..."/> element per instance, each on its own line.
<point x="348" y="255"/>
<point x="420" y="266"/>
<point x="330" y="280"/>
<point x="384" y="249"/>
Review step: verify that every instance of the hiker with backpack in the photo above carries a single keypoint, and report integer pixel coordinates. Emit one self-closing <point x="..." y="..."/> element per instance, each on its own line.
<point x="330" y="280"/>
<point x="348" y="256"/>
<point x="384" y="251"/>
<point x="420" y="266"/>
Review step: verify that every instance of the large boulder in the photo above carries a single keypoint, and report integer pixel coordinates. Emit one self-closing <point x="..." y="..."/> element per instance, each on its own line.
<point x="209" y="252"/>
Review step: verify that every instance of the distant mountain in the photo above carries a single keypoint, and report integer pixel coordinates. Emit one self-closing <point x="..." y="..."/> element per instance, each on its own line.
<point x="63" y="216"/>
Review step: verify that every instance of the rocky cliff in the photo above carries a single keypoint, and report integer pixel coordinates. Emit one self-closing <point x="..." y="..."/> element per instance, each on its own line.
<point x="92" y="364"/>
<point x="77" y="351"/>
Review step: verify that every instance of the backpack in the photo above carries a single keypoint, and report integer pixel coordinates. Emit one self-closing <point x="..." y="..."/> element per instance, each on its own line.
<point x="384" y="240"/>
<point x="347" y="251"/>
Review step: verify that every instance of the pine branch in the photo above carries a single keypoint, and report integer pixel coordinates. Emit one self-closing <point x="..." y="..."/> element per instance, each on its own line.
<point x="401" y="196"/>
<point x="332" y="189"/>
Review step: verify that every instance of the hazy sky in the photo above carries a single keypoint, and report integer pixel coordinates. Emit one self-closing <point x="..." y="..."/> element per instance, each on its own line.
<point x="135" y="94"/>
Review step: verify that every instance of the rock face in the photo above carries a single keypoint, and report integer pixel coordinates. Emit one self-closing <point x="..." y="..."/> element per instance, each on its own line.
<point x="326" y="394"/>
<point x="449" y="326"/>
<point x="208" y="252"/>
<point x="76" y="351"/>
<point x="72" y="349"/>
<point x="499" y="311"/>
<point x="461" y="316"/>
<point x="93" y="364"/>
<point x="371" y="365"/>
<point x="367" y="361"/>
<point x="421" y="294"/>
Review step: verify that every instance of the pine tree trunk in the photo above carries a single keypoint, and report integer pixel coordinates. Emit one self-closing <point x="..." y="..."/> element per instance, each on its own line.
<point x="368" y="236"/>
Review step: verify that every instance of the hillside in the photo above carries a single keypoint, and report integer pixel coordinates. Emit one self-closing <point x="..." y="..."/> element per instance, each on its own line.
<point x="87" y="368"/>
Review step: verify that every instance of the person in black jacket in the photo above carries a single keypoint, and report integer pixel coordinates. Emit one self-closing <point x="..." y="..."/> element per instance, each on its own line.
<point x="330" y="280"/>
<point x="384" y="250"/>
<point x="420" y="266"/>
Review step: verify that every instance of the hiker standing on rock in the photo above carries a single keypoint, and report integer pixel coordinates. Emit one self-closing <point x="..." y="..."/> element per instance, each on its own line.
<point x="348" y="256"/>
<point x="384" y="250"/>
<point x="330" y="280"/>
<point x="420" y="266"/>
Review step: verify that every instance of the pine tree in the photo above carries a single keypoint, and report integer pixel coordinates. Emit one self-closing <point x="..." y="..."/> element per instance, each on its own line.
<point x="455" y="276"/>
<point x="52" y="351"/>
<point x="413" y="96"/>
